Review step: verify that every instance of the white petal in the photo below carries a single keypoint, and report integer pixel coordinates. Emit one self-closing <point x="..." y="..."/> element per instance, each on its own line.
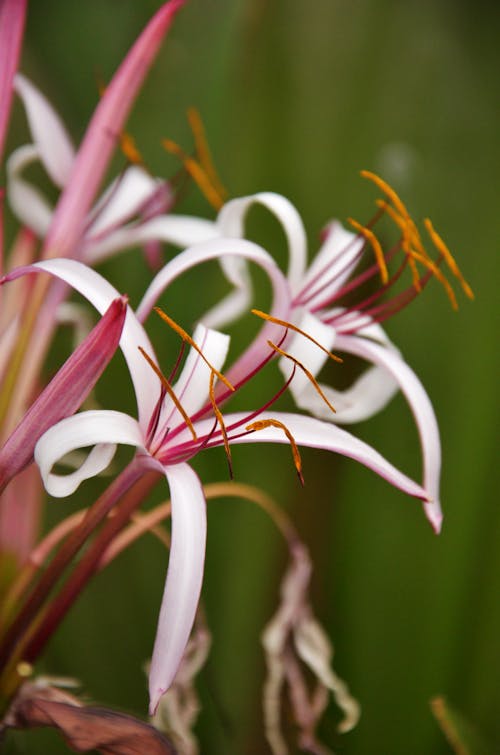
<point x="49" y="134"/>
<point x="101" y="429"/>
<point x="122" y="199"/>
<point x="184" y="578"/>
<point x="310" y="355"/>
<point x="192" y="387"/>
<point x="421" y="408"/>
<point x="311" y="432"/>
<point x="331" y="267"/>
<point x="172" y="229"/>
<point x="231" y="223"/>
<point x="26" y="201"/>
<point x="101" y="294"/>
<point x="238" y="301"/>
<point x="218" y="249"/>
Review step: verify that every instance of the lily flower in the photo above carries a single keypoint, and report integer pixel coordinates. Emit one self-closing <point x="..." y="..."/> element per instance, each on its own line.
<point x="317" y="294"/>
<point x="176" y="422"/>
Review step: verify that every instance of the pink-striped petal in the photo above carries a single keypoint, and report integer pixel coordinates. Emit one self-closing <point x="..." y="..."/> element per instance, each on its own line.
<point x="314" y="433"/>
<point x="184" y="579"/>
<point x="65" y="392"/>
<point x="100" y="138"/>
<point x="421" y="408"/>
<point x="12" y="18"/>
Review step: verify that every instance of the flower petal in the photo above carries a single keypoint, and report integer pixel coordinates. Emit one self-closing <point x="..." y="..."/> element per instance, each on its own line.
<point x="100" y="294"/>
<point x="100" y="138"/>
<point x="26" y="201"/>
<point x="231" y="223"/>
<point x="331" y="267"/>
<point x="421" y="408"/>
<point x="49" y="134"/>
<point x="122" y="199"/>
<point x="65" y="392"/>
<point x="368" y="395"/>
<point x="192" y="387"/>
<point x="311" y="432"/>
<point x="184" y="578"/>
<point x="218" y="249"/>
<point x="180" y="230"/>
<point x="100" y="429"/>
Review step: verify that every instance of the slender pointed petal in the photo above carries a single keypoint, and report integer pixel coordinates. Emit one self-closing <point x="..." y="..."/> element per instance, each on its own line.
<point x="184" y="578"/>
<point x="102" y="429"/>
<point x="65" y="392"/>
<point x="183" y="231"/>
<point x="50" y="137"/>
<point x="421" y="408"/>
<point x="100" y="294"/>
<point x="311" y="432"/>
<point x="12" y="17"/>
<point x="100" y="138"/>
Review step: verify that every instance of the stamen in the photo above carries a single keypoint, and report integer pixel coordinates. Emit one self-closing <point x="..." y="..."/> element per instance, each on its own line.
<point x="222" y="425"/>
<point x="387" y="190"/>
<point x="129" y="149"/>
<point x="448" y="257"/>
<point x="170" y="392"/>
<point x="293" y="327"/>
<point x="197" y="173"/>
<point x="203" y="151"/>
<point x="261" y="424"/>
<point x="304" y="369"/>
<point x="186" y="337"/>
<point x="375" y="244"/>
<point x="410" y="234"/>
<point x="430" y="265"/>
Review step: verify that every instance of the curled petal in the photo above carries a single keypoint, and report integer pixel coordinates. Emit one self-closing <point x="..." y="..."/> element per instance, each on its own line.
<point x="26" y="201"/>
<point x="184" y="578"/>
<point x="211" y="250"/>
<point x="65" y="392"/>
<point x="100" y="294"/>
<point x="421" y="408"/>
<point x="231" y="223"/>
<point x="100" y="429"/>
<point x="51" y="139"/>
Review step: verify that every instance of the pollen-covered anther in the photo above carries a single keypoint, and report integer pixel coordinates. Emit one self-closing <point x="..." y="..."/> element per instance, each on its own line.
<point x="433" y="268"/>
<point x="187" y="338"/>
<point x="306" y="372"/>
<point x="197" y="173"/>
<point x="261" y="424"/>
<point x="370" y="237"/>
<point x="291" y="326"/>
<point x="220" y="420"/>
<point x="448" y="257"/>
<point x="165" y="383"/>
<point x="410" y="236"/>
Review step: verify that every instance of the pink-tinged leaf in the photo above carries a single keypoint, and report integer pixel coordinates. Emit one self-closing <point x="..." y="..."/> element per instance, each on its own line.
<point x="12" y="16"/>
<point x="86" y="728"/>
<point x="101" y="136"/>
<point x="20" y="515"/>
<point x="66" y="391"/>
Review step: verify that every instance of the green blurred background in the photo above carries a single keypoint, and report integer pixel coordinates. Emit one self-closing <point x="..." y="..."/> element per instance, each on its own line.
<point x="297" y="97"/>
